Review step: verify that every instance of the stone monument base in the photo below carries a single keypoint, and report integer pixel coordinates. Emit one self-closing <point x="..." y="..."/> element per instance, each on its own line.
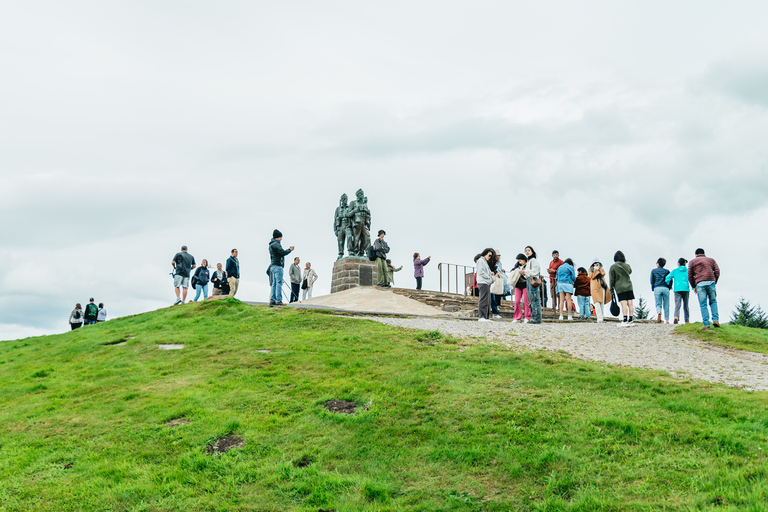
<point x="351" y="272"/>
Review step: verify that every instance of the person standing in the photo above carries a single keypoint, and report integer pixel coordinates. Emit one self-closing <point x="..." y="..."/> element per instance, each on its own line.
<point x="182" y="263"/>
<point x="534" y="283"/>
<point x="679" y="280"/>
<point x="418" y="268"/>
<point x="102" y="314"/>
<point x="622" y="285"/>
<point x="582" y="293"/>
<point x="294" y="273"/>
<point x="703" y="274"/>
<point x="660" y="289"/>
<point x="91" y="312"/>
<point x="520" y="290"/>
<point x="566" y="275"/>
<point x="233" y="272"/>
<point x="308" y="281"/>
<point x="484" y="280"/>
<point x="276" y="263"/>
<point x="201" y="278"/>
<point x="381" y="248"/>
<point x="391" y="273"/>
<point x="76" y="317"/>
<point x="601" y="293"/>
<point x="553" y="266"/>
<point x="218" y="278"/>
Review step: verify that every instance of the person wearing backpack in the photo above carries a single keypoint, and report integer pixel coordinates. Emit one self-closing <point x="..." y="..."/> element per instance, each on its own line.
<point x="91" y="313"/>
<point x="381" y="248"/>
<point x="76" y="317"/>
<point x="201" y="278"/>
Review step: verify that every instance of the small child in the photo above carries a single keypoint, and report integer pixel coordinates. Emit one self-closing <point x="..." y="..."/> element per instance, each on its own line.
<point x="582" y="293"/>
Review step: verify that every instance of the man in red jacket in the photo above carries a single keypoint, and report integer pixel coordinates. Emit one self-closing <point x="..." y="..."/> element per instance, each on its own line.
<point x="703" y="274"/>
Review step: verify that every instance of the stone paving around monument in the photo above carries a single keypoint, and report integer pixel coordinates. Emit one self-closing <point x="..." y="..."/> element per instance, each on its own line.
<point x="650" y="346"/>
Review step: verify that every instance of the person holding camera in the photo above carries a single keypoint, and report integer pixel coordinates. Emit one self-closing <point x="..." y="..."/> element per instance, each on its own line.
<point x="598" y="288"/>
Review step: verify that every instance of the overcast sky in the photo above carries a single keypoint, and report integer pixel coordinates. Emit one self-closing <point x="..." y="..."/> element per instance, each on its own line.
<point x="128" y="129"/>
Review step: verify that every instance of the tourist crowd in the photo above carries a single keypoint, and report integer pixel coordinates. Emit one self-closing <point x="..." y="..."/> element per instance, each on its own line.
<point x="92" y="314"/>
<point x="592" y="287"/>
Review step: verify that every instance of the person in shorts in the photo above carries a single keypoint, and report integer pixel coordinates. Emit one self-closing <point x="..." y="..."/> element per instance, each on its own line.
<point x="622" y="285"/>
<point x="182" y="264"/>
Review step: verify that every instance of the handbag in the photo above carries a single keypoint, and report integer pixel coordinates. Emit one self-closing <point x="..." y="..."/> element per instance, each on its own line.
<point x="535" y="281"/>
<point x="615" y="310"/>
<point x="497" y="288"/>
<point x="304" y="285"/>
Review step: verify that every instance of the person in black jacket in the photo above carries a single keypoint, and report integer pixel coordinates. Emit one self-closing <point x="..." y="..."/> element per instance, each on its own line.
<point x="91" y="312"/>
<point x="219" y="279"/>
<point x="233" y="272"/>
<point x="201" y="278"/>
<point x="276" y="263"/>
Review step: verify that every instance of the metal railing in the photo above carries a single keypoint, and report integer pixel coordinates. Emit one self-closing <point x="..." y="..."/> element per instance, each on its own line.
<point x="464" y="278"/>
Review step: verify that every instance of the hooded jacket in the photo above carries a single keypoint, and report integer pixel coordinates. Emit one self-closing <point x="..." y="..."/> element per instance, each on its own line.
<point x="680" y="278"/>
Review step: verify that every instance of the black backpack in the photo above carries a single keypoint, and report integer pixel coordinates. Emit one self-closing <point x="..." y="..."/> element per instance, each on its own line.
<point x="372" y="253"/>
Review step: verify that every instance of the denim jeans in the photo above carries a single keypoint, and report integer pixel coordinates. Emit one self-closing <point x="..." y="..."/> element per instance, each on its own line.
<point x="661" y="294"/>
<point x="276" y="280"/>
<point x="494" y="305"/>
<point x="534" y="302"/>
<point x="706" y="291"/>
<point x="585" y="311"/>
<point x="682" y="297"/>
<point x="201" y="288"/>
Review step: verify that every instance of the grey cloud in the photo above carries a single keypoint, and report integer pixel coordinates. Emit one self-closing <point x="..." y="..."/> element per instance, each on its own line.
<point x="744" y="78"/>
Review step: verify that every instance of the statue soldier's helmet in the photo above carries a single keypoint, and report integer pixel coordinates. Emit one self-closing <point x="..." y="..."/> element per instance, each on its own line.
<point x="344" y="197"/>
<point x="359" y="193"/>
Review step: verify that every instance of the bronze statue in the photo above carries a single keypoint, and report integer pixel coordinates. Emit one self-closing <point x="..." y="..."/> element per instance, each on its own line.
<point x="341" y="225"/>
<point x="352" y="224"/>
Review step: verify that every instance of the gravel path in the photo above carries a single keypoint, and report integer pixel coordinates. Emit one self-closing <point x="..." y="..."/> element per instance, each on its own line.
<point x="651" y="346"/>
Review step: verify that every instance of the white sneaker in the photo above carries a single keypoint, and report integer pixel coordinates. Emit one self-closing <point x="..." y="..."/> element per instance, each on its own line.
<point x="561" y="317"/>
<point x="516" y="321"/>
<point x="622" y="324"/>
<point x="600" y="321"/>
<point x="483" y="319"/>
<point x="525" y="321"/>
<point x="630" y="323"/>
<point x="570" y="318"/>
<point x="496" y="316"/>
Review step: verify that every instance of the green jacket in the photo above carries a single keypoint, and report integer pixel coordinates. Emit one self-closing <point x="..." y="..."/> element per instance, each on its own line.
<point x="619" y="277"/>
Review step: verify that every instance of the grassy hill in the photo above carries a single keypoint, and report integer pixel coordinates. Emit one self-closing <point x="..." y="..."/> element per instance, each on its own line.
<point x="439" y="425"/>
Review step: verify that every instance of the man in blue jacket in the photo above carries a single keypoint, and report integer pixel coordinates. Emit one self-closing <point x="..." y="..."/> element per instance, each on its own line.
<point x="233" y="272"/>
<point x="276" y="263"/>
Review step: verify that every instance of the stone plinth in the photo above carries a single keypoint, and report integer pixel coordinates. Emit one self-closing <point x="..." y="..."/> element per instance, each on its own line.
<point x="351" y="272"/>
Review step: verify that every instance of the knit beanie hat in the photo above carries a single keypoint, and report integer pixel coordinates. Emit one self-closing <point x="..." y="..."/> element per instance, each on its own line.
<point x="277" y="234"/>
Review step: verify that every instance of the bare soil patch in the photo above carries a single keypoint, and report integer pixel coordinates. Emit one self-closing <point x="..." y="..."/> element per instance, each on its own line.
<point x="224" y="444"/>
<point x="303" y="462"/>
<point x="340" y="406"/>
<point x="121" y="341"/>
<point x="177" y="422"/>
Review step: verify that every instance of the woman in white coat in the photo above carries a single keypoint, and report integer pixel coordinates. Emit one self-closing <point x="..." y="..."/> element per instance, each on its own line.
<point x="308" y="280"/>
<point x="532" y="274"/>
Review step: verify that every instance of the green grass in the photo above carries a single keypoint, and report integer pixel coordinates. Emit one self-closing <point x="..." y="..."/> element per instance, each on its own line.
<point x="448" y="427"/>
<point x="734" y="336"/>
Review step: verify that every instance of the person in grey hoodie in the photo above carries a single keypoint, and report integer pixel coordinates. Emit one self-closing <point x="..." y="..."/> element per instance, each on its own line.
<point x="484" y="280"/>
<point x="295" y="274"/>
